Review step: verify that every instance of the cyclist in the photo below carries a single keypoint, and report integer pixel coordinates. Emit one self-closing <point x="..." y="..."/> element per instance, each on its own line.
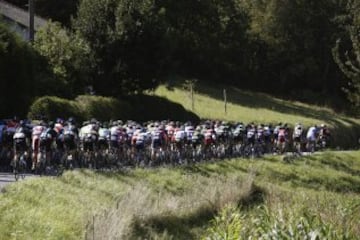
<point x="47" y="141"/>
<point x="282" y="138"/>
<point x="189" y="132"/>
<point x="311" y="138"/>
<point x="69" y="139"/>
<point x="115" y="132"/>
<point x="104" y="136"/>
<point x="298" y="136"/>
<point x="2" y="127"/>
<point x="250" y="134"/>
<point x="324" y="135"/>
<point x="35" y="143"/>
<point x="158" y="141"/>
<point x="20" y="138"/>
<point x="59" y="128"/>
<point x="89" y="135"/>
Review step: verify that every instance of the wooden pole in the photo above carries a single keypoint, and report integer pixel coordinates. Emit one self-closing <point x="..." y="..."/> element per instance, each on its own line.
<point x="225" y="101"/>
<point x="192" y="96"/>
<point x="31" y="20"/>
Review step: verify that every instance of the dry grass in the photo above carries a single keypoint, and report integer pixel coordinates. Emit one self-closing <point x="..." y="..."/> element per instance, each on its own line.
<point x="153" y="212"/>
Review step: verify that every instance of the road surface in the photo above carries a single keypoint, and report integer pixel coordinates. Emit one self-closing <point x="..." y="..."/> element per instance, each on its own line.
<point x="8" y="178"/>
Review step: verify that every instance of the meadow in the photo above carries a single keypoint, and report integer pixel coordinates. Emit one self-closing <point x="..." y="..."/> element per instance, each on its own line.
<point x="317" y="195"/>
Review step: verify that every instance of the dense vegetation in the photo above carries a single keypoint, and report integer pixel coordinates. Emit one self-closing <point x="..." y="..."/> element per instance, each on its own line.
<point x="286" y="48"/>
<point x="317" y="195"/>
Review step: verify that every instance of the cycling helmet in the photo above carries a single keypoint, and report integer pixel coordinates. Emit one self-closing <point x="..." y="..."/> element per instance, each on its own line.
<point x="59" y="120"/>
<point x="71" y="120"/>
<point x="105" y="124"/>
<point x="51" y="124"/>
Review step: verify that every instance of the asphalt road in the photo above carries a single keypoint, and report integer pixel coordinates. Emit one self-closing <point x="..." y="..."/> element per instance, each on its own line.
<point x="8" y="178"/>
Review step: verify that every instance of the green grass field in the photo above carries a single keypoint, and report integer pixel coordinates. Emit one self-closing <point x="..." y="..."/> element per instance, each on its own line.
<point x="320" y="192"/>
<point x="314" y="197"/>
<point x="248" y="107"/>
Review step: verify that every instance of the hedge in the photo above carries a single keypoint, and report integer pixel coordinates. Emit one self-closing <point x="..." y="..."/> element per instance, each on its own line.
<point x="84" y="107"/>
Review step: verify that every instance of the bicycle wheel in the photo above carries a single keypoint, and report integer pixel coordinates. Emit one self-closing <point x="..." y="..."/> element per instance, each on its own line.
<point x="16" y="170"/>
<point x="22" y="168"/>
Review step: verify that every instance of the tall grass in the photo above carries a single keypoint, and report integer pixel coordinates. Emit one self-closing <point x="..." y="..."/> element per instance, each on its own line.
<point x="163" y="213"/>
<point x="331" y="217"/>
<point x="179" y="203"/>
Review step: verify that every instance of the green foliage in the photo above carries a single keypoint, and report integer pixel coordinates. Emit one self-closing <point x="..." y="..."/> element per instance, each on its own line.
<point x="102" y="108"/>
<point x="145" y="107"/>
<point x="227" y="225"/>
<point x="69" y="59"/>
<point x="247" y="106"/>
<point x="17" y="73"/>
<point x="263" y="223"/>
<point x="84" y="107"/>
<point x="295" y="39"/>
<point x="190" y="202"/>
<point x="50" y="107"/>
<point x="349" y="62"/>
<point x="125" y="38"/>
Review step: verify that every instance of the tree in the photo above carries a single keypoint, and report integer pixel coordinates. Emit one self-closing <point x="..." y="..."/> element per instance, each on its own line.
<point x="69" y="59"/>
<point x="126" y="39"/>
<point x="349" y="60"/>
<point x="294" y="41"/>
<point x="17" y="74"/>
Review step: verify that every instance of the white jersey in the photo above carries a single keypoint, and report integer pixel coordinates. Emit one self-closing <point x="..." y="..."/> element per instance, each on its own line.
<point x="179" y="135"/>
<point x="298" y="131"/>
<point x="104" y="133"/>
<point x="115" y="133"/>
<point x="189" y="132"/>
<point x="311" y="134"/>
<point x="86" y="131"/>
<point x="36" y="131"/>
<point x="250" y="133"/>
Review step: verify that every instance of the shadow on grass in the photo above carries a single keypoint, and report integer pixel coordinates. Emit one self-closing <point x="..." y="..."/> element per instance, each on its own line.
<point x="178" y="227"/>
<point x="188" y="226"/>
<point x="345" y="131"/>
<point x="145" y="108"/>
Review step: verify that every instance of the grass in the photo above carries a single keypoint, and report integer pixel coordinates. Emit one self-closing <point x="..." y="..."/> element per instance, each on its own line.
<point x="248" y="107"/>
<point x="184" y="203"/>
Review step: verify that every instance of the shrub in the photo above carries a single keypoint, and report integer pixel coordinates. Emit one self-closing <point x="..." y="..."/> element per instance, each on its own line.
<point x="102" y="108"/>
<point x="139" y="108"/>
<point x="145" y="107"/>
<point x="51" y="107"/>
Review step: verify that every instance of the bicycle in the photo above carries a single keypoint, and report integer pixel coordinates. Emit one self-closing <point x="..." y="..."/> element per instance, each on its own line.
<point x="19" y="166"/>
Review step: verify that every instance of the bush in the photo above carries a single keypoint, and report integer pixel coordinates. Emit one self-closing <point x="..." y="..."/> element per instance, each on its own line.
<point x="139" y="108"/>
<point x="51" y="107"/>
<point x="102" y="108"/>
<point x="145" y="107"/>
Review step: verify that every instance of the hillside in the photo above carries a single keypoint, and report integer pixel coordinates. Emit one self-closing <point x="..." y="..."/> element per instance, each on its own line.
<point x="249" y="106"/>
<point x="320" y="193"/>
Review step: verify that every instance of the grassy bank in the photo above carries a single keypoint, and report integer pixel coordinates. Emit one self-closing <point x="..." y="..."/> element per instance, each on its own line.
<point x="261" y="108"/>
<point x="188" y="202"/>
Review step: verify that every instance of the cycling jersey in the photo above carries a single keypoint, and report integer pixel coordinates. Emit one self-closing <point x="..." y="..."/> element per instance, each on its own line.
<point x="47" y="138"/>
<point x="36" y="132"/>
<point x="311" y="134"/>
<point x="209" y="136"/>
<point x="282" y="135"/>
